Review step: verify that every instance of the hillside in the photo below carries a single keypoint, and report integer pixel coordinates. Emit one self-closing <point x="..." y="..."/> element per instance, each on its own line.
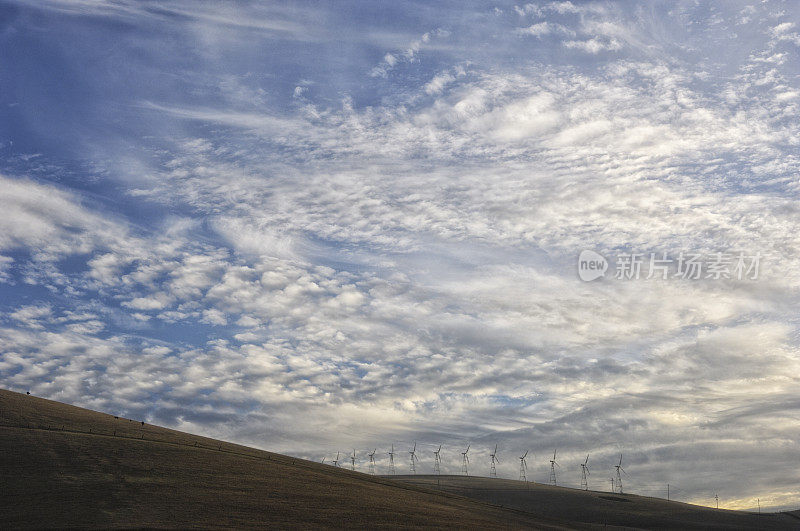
<point x="605" y="508"/>
<point x="65" y="466"/>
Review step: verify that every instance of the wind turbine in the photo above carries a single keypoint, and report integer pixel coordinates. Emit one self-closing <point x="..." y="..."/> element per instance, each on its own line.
<point x="619" y="478"/>
<point x="523" y="467"/>
<point x="372" y="462"/>
<point x="584" y="473"/>
<point x="437" y="460"/>
<point x="353" y="460"/>
<point x="336" y="461"/>
<point x="391" y="461"/>
<point x="553" y="466"/>
<point x="414" y="458"/>
<point x="323" y="459"/>
<point x="465" y="461"/>
<point x="495" y="460"/>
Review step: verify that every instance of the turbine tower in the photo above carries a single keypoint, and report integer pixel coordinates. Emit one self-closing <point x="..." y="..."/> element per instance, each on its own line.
<point x="353" y="460"/>
<point x="553" y="466"/>
<point x="584" y="473"/>
<point x="465" y="461"/>
<point x="336" y="461"/>
<point x="495" y="460"/>
<point x="523" y="467"/>
<point x="619" y="478"/>
<point x="391" y="461"/>
<point x="372" y="462"/>
<point x="437" y="460"/>
<point x="414" y="458"/>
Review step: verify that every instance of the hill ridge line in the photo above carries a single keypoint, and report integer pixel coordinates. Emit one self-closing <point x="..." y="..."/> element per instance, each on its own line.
<point x="281" y="459"/>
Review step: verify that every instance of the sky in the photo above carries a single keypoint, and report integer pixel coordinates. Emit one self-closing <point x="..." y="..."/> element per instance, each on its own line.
<point x="314" y="227"/>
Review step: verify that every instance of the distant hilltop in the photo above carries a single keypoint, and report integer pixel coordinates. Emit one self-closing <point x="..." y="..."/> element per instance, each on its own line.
<point x="66" y="466"/>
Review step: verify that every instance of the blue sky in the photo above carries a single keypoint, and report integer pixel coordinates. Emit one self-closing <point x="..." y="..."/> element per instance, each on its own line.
<point x="317" y="226"/>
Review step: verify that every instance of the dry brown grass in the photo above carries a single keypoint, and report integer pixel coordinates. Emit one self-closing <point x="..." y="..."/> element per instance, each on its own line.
<point x="64" y="466"/>
<point x="604" y="508"/>
<point x="56" y="474"/>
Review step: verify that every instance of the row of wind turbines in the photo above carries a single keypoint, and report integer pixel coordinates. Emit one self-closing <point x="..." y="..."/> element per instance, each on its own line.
<point x="616" y="481"/>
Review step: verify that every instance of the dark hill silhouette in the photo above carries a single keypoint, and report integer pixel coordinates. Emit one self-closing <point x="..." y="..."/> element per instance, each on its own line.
<point x="64" y="466"/>
<point x="597" y="507"/>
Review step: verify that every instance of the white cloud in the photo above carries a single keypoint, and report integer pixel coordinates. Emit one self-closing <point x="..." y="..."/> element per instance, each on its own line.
<point x="390" y="60"/>
<point x="539" y="29"/>
<point x="782" y="28"/>
<point x="30" y="316"/>
<point x="51" y="221"/>
<point x="595" y="45"/>
<point x="214" y="317"/>
<point x="6" y="263"/>
<point x="563" y="7"/>
<point x="156" y="302"/>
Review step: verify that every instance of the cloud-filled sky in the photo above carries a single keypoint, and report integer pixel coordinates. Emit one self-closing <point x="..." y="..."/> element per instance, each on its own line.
<point x="313" y="227"/>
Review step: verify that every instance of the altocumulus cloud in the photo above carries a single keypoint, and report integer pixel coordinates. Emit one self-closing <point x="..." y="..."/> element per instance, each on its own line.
<point x="305" y="228"/>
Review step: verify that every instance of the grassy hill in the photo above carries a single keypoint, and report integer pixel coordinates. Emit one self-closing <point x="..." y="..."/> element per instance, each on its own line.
<point x="64" y="466"/>
<point x="593" y="507"/>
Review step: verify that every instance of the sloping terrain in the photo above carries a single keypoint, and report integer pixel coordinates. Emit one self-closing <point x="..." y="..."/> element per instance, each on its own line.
<point x="64" y="466"/>
<point x="603" y="508"/>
